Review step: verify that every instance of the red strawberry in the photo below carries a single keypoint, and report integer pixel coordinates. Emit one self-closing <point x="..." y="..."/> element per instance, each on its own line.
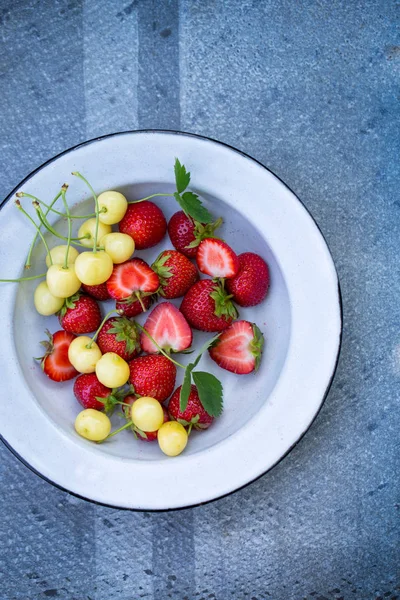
<point x="100" y="292"/>
<point x="194" y="414"/>
<point x="87" y="387"/>
<point x="238" y="349"/>
<point x="80" y="314"/>
<point x="119" y="335"/>
<point x="144" y="436"/>
<point x="207" y="307"/>
<point x="131" y="307"/>
<point x="153" y="376"/>
<point x="55" y="362"/>
<point x="186" y="233"/>
<point x="250" y="286"/>
<point x="177" y="274"/>
<point x="145" y="223"/>
<point x="217" y="259"/>
<point x="169" y="328"/>
<point x="133" y="277"/>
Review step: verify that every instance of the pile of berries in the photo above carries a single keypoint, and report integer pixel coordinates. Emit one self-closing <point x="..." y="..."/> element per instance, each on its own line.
<point x="124" y="364"/>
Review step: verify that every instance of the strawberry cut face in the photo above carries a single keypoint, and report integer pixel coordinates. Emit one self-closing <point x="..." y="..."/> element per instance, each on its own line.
<point x="131" y="277"/>
<point x="169" y="328"/>
<point x="239" y="348"/>
<point x="217" y="259"/>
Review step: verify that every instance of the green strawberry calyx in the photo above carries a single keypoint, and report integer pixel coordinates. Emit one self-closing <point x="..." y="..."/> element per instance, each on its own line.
<point x="69" y="303"/>
<point x="125" y="330"/>
<point x="256" y="345"/>
<point x="163" y="271"/>
<point x="224" y="307"/>
<point x="202" y="231"/>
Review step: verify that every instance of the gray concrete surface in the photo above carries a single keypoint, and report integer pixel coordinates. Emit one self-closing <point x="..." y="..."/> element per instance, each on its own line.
<point x="310" y="89"/>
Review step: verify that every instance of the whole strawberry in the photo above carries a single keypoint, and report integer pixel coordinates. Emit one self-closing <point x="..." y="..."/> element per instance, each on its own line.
<point x="80" y="314"/>
<point x="194" y="414"/>
<point x="250" y="285"/>
<point x="87" y="388"/>
<point x="100" y="292"/>
<point x="153" y="376"/>
<point x="207" y="307"/>
<point x="186" y="234"/>
<point x="131" y="307"/>
<point x="55" y="362"/>
<point x="119" y="335"/>
<point x="145" y="223"/>
<point x="177" y="274"/>
<point x="238" y="349"/>
<point x="144" y="436"/>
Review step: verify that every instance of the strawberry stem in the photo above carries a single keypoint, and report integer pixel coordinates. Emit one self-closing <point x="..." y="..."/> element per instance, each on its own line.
<point x="111" y="312"/>
<point x="97" y="211"/>
<point x="63" y="191"/>
<point x="38" y="232"/>
<point x="148" y="198"/>
<point x="159" y="347"/>
<point x="138" y="296"/>
<point x="118" y="430"/>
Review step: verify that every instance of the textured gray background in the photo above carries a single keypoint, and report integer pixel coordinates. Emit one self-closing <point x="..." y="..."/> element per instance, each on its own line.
<point x="310" y="89"/>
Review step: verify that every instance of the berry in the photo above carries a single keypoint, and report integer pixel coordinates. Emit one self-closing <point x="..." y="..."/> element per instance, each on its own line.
<point x="217" y="259"/>
<point x="80" y="314"/>
<point x="88" y="229"/>
<point x="194" y="414"/>
<point x="186" y="234"/>
<point x="145" y="223"/>
<point x="112" y="206"/>
<point x="93" y="268"/>
<point x="58" y="255"/>
<point x="172" y="438"/>
<point x="119" y="246"/>
<point x="250" y="286"/>
<point x="100" y="292"/>
<point x="87" y="388"/>
<point x="169" y="328"/>
<point x="112" y="370"/>
<point x="63" y="282"/>
<point x="207" y="307"/>
<point x="83" y="354"/>
<point x="144" y="436"/>
<point x="131" y="307"/>
<point x="153" y="376"/>
<point x="147" y="414"/>
<point x="119" y="335"/>
<point x="55" y="363"/>
<point x="238" y="349"/>
<point x="45" y="303"/>
<point x="92" y="425"/>
<point x="177" y="274"/>
<point x="132" y="277"/>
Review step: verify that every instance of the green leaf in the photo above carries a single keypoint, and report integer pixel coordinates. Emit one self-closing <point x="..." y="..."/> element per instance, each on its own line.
<point x="186" y="387"/>
<point x="192" y="206"/>
<point x="182" y="177"/>
<point x="210" y="392"/>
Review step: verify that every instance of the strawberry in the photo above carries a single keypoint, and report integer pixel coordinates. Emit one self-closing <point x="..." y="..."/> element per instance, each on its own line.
<point x="217" y="259"/>
<point x="153" y="376"/>
<point x="131" y="307"/>
<point x="169" y="328"/>
<point x="100" y="292"/>
<point x="238" y="349"/>
<point x="133" y="277"/>
<point x="194" y="414"/>
<point x="145" y="223"/>
<point x="144" y="436"/>
<point x="55" y="362"/>
<point x="80" y="314"/>
<point x="207" y="307"/>
<point x="87" y="388"/>
<point x="186" y="234"/>
<point x="250" y="286"/>
<point x="119" y="335"/>
<point x="177" y="274"/>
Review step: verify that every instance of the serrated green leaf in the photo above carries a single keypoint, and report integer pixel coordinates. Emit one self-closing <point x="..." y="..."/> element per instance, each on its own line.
<point x="210" y="392"/>
<point x="186" y="387"/>
<point x="194" y="208"/>
<point x="182" y="177"/>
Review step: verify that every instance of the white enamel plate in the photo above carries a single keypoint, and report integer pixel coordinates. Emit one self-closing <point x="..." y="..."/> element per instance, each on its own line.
<point x="265" y="413"/>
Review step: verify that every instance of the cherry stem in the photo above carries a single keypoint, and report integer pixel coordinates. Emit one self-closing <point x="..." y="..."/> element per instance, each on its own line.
<point x="138" y="296"/>
<point x="97" y="211"/>
<point x="189" y="431"/>
<point x="23" y="278"/>
<point x="159" y="347"/>
<point x="38" y="232"/>
<point x="63" y="192"/>
<point x="47" y="225"/>
<point x="111" y="312"/>
<point x="58" y="212"/>
<point x="148" y="198"/>
<point x="118" y="430"/>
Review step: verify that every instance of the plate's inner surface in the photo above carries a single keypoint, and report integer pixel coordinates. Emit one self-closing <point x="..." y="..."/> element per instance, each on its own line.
<point x="243" y="395"/>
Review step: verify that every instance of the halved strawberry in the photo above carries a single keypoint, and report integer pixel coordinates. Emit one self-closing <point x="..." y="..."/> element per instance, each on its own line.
<point x="55" y="363"/>
<point x="239" y="348"/>
<point x="99" y="291"/>
<point x="169" y="328"/>
<point x="217" y="259"/>
<point x="132" y="277"/>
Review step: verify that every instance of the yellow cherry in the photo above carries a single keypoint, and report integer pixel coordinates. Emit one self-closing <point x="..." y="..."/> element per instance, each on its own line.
<point x="88" y="228"/>
<point x="83" y="354"/>
<point x="58" y="255"/>
<point x="172" y="438"/>
<point x="92" y="425"/>
<point x="147" y="414"/>
<point x="112" y="370"/>
<point x="119" y="246"/>
<point x="45" y="303"/>
<point x="113" y="206"/>
<point x="62" y="282"/>
<point x="93" y="268"/>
